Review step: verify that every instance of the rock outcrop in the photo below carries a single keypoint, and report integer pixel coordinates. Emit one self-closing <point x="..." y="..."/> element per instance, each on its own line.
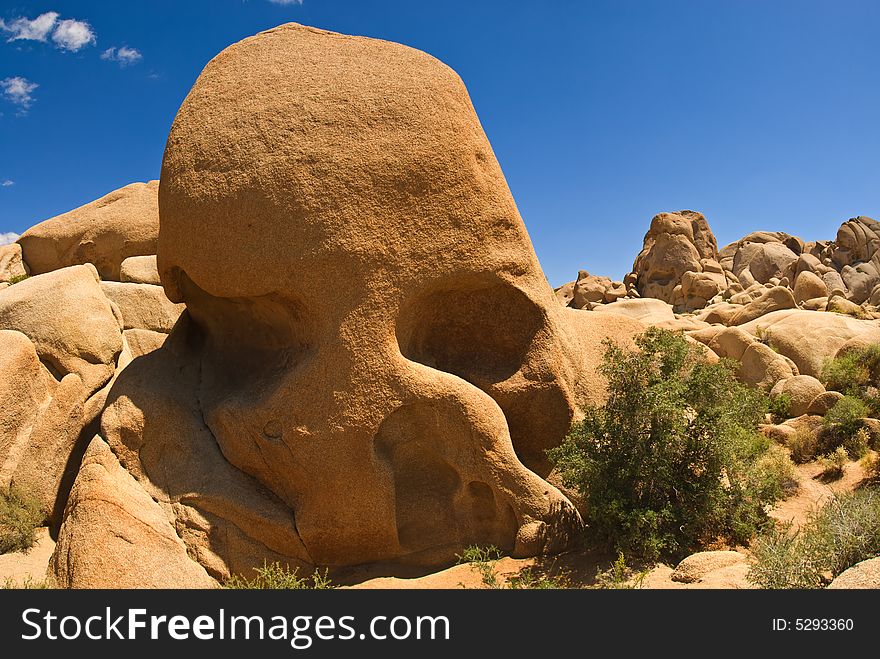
<point x="401" y="420"/>
<point x="104" y="233"/>
<point x="675" y="245"/>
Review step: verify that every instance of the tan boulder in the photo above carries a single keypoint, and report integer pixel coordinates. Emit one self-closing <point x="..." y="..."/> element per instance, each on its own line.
<point x="808" y="286"/>
<point x="675" y="243"/>
<point x="809" y="338"/>
<point x="589" y="289"/>
<point x="719" y="313"/>
<point x="648" y="311"/>
<point x="761" y="367"/>
<point x="11" y="265"/>
<point x="823" y="402"/>
<point x="143" y="306"/>
<point x="802" y="390"/>
<point x="142" y="342"/>
<point x="773" y="299"/>
<point x="40" y="424"/>
<point x="697" y="288"/>
<point x="839" y="304"/>
<point x="104" y="232"/>
<point x="696" y="566"/>
<point x="565" y="294"/>
<point x="69" y="320"/>
<point x="761" y="262"/>
<point x="140" y="270"/>
<point x="25" y="388"/>
<point x="861" y="575"/>
<point x="115" y="536"/>
<point x="815" y="304"/>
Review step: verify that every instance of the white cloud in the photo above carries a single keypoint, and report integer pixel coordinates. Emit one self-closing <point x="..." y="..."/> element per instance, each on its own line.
<point x="72" y="35"/>
<point x="68" y="34"/>
<point x="124" y="55"/>
<point x="286" y="2"/>
<point x="18" y="90"/>
<point x="8" y="238"/>
<point x="7" y="183"/>
<point x="35" y="30"/>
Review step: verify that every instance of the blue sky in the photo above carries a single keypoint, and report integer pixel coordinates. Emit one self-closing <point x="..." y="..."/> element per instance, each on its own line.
<point x="761" y="114"/>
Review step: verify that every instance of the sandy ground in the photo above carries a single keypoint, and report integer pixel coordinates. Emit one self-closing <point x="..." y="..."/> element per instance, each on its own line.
<point x="578" y="568"/>
<point x="18" y="568"/>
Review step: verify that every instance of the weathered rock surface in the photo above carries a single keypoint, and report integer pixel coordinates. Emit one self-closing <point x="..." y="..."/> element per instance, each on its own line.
<point x="390" y="422"/>
<point x="696" y="566"/>
<point x="11" y="265"/>
<point x="69" y="320"/>
<point x="115" y="536"/>
<point x="809" y="338"/>
<point x="678" y="243"/>
<point x="104" y="233"/>
<point x="140" y="270"/>
<point x="861" y="575"/>
<point x="143" y="306"/>
<point x="802" y="391"/>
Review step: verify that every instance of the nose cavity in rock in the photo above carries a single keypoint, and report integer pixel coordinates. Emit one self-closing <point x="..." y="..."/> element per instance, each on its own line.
<point x="441" y="503"/>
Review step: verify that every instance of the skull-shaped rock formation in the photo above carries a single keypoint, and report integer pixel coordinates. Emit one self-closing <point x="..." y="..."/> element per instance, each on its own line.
<point x="371" y="364"/>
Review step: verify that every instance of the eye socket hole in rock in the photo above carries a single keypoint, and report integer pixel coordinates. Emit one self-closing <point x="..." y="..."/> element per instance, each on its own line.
<point x="433" y="504"/>
<point x="245" y="343"/>
<point x="480" y="331"/>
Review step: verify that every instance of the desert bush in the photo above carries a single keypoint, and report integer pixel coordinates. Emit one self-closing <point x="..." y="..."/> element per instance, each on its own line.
<point x="17" y="278"/>
<point x="275" y="576"/>
<point x="668" y="463"/>
<point x="803" y="445"/>
<point x="842" y="533"/>
<point x="773" y="475"/>
<point x="20" y="516"/>
<point x="620" y="576"/>
<point x="484" y="560"/>
<point x="780" y="407"/>
<point x="842" y="422"/>
<point x="833" y="463"/>
<point x="857" y="444"/>
<point x="856" y="373"/>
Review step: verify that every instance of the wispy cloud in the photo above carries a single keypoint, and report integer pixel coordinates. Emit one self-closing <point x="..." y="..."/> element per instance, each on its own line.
<point x="124" y="55"/>
<point x="72" y="35"/>
<point x="18" y="90"/>
<point x="68" y="34"/>
<point x="286" y="2"/>
<point x="7" y="183"/>
<point x="34" y="30"/>
<point x="8" y="238"/>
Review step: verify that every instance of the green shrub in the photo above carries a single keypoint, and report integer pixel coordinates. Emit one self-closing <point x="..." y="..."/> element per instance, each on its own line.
<point x="856" y="373"/>
<point x="17" y="278"/>
<point x="773" y="475"/>
<point x="834" y="463"/>
<point x="842" y="533"/>
<point x="275" y="576"/>
<point x="484" y="560"/>
<point x="857" y="444"/>
<point x="803" y="445"/>
<point x="844" y="420"/>
<point x="780" y="408"/>
<point x="20" y="516"/>
<point x="668" y="463"/>
<point x="620" y="576"/>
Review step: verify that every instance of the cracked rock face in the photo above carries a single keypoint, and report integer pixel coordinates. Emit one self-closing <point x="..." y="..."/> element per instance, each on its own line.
<point x="405" y="416"/>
